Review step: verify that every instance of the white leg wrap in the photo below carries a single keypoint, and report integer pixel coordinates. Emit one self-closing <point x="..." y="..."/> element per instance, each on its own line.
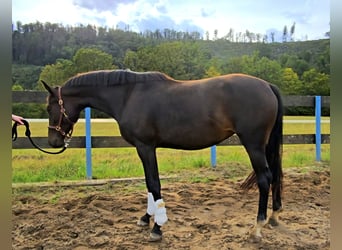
<point x="150" y="204"/>
<point x="160" y="216"/>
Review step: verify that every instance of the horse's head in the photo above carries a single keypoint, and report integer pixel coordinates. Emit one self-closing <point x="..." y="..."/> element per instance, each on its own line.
<point x="62" y="117"/>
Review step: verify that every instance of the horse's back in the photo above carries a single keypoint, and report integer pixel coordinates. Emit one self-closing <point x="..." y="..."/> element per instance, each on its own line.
<point x="195" y="114"/>
<point x="242" y="95"/>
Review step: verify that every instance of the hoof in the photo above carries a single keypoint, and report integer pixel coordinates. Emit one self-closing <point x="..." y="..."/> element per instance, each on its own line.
<point x="156" y="233"/>
<point x="273" y="222"/>
<point x="255" y="238"/>
<point x="142" y="223"/>
<point x="144" y="220"/>
<point x="155" y="237"/>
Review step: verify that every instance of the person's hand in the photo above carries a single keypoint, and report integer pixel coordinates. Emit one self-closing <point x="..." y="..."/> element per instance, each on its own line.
<point x="18" y="119"/>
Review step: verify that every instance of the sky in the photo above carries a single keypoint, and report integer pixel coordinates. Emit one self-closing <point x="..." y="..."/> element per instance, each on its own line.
<point x="311" y="17"/>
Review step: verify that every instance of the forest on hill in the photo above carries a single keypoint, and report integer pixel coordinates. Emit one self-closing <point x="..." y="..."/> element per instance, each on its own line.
<point x="54" y="52"/>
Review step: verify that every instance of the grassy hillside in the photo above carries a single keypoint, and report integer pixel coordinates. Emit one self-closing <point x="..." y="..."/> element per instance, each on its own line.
<point x="224" y="50"/>
<point x="311" y="51"/>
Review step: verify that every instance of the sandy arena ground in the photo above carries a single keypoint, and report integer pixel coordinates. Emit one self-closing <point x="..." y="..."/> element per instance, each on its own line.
<point x="212" y="215"/>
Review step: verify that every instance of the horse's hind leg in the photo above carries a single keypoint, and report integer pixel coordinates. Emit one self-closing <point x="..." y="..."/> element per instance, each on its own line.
<point x="276" y="205"/>
<point x="274" y="162"/>
<point x="257" y="156"/>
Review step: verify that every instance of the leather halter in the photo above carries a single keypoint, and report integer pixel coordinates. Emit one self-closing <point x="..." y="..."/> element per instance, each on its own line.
<point x="62" y="114"/>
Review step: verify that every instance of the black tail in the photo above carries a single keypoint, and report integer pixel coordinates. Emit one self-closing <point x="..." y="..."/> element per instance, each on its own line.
<point x="274" y="149"/>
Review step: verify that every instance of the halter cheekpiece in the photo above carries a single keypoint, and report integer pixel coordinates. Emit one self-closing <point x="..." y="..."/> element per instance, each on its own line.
<point x="61" y="115"/>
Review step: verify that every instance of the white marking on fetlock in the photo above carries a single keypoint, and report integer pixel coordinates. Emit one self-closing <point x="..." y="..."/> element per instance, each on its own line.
<point x="258" y="227"/>
<point x="160" y="216"/>
<point x="151" y="208"/>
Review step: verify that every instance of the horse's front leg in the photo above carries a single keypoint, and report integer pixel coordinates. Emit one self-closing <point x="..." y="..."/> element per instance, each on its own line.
<point x="155" y="203"/>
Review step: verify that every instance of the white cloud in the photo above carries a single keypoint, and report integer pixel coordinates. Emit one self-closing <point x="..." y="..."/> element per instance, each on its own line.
<point x="62" y="11"/>
<point x="311" y="16"/>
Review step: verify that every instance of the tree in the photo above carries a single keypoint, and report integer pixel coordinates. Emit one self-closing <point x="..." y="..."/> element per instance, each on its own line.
<point x="25" y="75"/>
<point x="87" y="59"/>
<point x="323" y="62"/>
<point x="272" y="37"/>
<point x="211" y="72"/>
<point x="141" y="60"/>
<point x="292" y="31"/>
<point x="293" y="61"/>
<point x="56" y="74"/>
<point x="131" y="60"/>
<point x="262" y="67"/>
<point x="290" y="84"/>
<point x="285" y="33"/>
<point x="316" y="83"/>
<point x="215" y="34"/>
<point x="17" y="87"/>
<point x="269" y="70"/>
<point x="181" y="60"/>
<point x="230" y="35"/>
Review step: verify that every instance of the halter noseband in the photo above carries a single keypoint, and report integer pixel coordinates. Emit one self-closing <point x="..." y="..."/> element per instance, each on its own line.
<point x="62" y="113"/>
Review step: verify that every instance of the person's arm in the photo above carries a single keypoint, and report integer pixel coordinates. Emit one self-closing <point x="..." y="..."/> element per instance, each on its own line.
<point x="18" y="119"/>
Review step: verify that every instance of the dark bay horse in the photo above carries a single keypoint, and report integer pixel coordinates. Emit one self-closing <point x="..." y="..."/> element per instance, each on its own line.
<point x="153" y="110"/>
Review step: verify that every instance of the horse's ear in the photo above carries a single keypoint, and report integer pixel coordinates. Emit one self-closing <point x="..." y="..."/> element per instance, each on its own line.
<point x="47" y="87"/>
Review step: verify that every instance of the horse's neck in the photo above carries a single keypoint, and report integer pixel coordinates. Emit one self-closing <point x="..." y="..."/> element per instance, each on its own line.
<point x="107" y="100"/>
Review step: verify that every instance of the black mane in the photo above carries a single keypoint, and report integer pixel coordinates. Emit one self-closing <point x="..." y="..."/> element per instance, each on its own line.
<point x="107" y="78"/>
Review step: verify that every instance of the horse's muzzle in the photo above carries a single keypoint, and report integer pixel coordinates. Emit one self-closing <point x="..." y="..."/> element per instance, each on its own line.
<point x="56" y="142"/>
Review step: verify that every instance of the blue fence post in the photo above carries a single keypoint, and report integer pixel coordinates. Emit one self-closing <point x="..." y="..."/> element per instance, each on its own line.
<point x="318" y="127"/>
<point x="213" y="156"/>
<point x="88" y="142"/>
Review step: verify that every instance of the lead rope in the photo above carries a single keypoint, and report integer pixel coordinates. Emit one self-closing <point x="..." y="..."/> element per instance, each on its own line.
<point x="28" y="134"/>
